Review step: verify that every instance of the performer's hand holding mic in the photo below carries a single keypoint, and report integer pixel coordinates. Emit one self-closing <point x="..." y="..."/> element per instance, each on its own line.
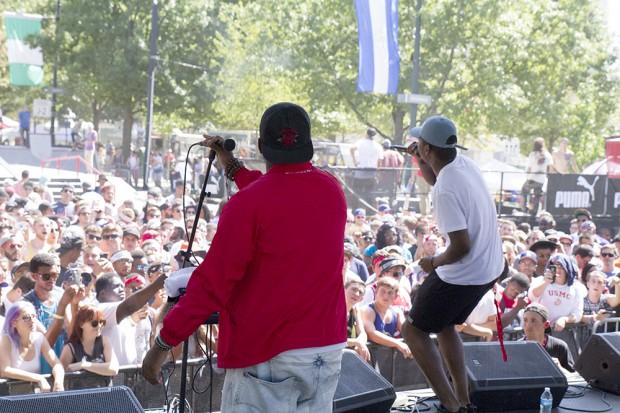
<point x="409" y="150"/>
<point x="221" y="147"/>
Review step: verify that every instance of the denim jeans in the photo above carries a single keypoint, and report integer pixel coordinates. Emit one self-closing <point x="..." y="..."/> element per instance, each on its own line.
<point x="283" y="384"/>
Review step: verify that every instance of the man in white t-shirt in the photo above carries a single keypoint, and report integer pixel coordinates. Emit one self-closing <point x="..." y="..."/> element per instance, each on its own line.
<point x="461" y="275"/>
<point x="116" y="309"/>
<point x="366" y="154"/>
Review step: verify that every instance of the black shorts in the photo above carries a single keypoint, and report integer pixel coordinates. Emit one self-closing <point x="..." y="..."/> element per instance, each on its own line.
<point x="439" y="304"/>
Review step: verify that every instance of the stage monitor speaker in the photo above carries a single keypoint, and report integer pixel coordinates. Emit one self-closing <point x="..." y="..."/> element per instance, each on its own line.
<point x="100" y="400"/>
<point x="516" y="384"/>
<point x="361" y="389"/>
<point x="599" y="362"/>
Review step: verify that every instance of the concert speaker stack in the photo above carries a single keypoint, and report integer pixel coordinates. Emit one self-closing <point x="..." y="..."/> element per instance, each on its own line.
<point x="516" y="384"/>
<point x="361" y="389"/>
<point x="599" y="362"/>
<point x="101" y="400"/>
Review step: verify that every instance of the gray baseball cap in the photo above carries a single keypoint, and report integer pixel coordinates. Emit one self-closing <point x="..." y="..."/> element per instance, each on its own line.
<point x="415" y="132"/>
<point x="440" y="131"/>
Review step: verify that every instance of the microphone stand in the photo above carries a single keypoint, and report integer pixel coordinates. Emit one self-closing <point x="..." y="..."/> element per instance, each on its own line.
<point x="188" y="254"/>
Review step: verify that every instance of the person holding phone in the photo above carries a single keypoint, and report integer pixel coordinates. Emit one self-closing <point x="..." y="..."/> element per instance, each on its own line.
<point x="596" y="305"/>
<point x="558" y="292"/>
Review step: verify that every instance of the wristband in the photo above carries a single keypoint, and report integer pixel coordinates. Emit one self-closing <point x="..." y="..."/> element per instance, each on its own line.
<point x="162" y="344"/>
<point x="232" y="166"/>
<point x="58" y="317"/>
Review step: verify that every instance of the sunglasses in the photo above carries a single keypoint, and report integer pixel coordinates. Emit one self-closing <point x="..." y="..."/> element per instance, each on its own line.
<point x="397" y="274"/>
<point x="28" y="317"/>
<point x="12" y="246"/>
<point x="94" y="237"/>
<point x="95" y="323"/>
<point x="49" y="276"/>
<point x="111" y="236"/>
<point x="608" y="254"/>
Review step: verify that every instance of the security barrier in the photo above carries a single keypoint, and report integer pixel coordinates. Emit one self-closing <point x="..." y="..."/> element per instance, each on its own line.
<point x="150" y="396"/>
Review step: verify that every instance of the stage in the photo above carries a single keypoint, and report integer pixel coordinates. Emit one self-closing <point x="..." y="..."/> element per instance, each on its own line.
<point x="578" y="398"/>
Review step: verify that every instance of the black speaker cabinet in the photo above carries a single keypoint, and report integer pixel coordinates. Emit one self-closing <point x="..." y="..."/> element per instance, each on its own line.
<point x="516" y="384"/>
<point x="361" y="389"/>
<point x="599" y="362"/>
<point x="101" y="400"/>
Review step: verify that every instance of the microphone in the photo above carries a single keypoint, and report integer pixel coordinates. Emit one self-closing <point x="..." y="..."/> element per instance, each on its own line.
<point x="399" y="148"/>
<point x="229" y="144"/>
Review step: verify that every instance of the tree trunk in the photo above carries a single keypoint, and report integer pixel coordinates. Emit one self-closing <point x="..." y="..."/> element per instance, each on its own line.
<point x="127" y="127"/>
<point x="96" y="114"/>
<point x="398" y="116"/>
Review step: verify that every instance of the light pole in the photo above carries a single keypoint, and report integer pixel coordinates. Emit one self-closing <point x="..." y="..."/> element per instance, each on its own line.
<point x="55" y="77"/>
<point x="415" y="87"/>
<point x="150" y="90"/>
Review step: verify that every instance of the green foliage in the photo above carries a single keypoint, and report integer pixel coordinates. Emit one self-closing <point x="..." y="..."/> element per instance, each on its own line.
<point x="525" y="68"/>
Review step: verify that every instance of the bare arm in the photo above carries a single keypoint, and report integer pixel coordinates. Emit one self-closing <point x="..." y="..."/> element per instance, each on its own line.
<point x="57" y="370"/>
<point x="136" y="301"/>
<point x="9" y="372"/>
<point x="614" y="300"/>
<point x="460" y="244"/>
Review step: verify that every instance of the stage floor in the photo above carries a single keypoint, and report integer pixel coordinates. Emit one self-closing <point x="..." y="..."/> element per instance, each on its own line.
<point x="592" y="400"/>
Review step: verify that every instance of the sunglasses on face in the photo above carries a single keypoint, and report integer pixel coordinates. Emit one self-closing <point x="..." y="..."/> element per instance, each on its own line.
<point x="397" y="274"/>
<point x="608" y="254"/>
<point x="94" y="237"/>
<point x="95" y="323"/>
<point x="111" y="236"/>
<point x="49" y="276"/>
<point x="13" y="246"/>
<point x="28" y="317"/>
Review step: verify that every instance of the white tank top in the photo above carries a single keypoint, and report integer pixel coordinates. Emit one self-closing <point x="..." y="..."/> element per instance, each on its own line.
<point x="34" y="365"/>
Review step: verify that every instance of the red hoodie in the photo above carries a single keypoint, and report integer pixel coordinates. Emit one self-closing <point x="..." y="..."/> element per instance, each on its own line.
<point x="274" y="268"/>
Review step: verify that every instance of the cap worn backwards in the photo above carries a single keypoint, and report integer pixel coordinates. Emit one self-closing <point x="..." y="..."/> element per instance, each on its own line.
<point x="285" y="134"/>
<point x="440" y="131"/>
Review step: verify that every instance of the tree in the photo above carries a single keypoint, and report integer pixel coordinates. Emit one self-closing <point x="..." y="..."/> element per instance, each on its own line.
<point x="103" y="57"/>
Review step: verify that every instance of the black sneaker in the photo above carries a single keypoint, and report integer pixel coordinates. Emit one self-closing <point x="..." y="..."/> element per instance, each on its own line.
<point x="472" y="408"/>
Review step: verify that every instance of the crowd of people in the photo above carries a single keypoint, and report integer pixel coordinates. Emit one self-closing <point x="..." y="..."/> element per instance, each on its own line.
<point x="82" y="280"/>
<point x="564" y="278"/>
<point x="81" y="277"/>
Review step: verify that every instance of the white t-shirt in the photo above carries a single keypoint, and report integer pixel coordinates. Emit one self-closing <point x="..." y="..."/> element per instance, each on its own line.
<point x="483" y="310"/>
<point x="538" y="162"/>
<point x="560" y="300"/>
<point x="122" y="336"/>
<point x="461" y="201"/>
<point x="368" y="153"/>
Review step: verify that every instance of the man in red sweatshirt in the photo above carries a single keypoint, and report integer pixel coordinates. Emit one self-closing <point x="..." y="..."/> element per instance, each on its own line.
<point x="275" y="279"/>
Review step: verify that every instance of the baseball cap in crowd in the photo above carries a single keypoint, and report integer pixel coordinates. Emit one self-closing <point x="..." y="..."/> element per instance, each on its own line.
<point x="440" y="131"/>
<point x="583" y="212"/>
<point x="371" y="132"/>
<point x="285" y="134"/>
<point x="131" y="230"/>
<point x="359" y="212"/>
<point x="150" y="234"/>
<point x="389" y="263"/>
<point x="527" y="255"/>
<point x="384" y="208"/>
<point x="102" y="178"/>
<point x="538" y="309"/>
<point x="136" y="279"/>
<point x="121" y="255"/>
<point x="543" y="244"/>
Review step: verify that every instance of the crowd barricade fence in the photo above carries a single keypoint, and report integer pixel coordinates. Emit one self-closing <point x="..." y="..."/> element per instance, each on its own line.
<point x="150" y="396"/>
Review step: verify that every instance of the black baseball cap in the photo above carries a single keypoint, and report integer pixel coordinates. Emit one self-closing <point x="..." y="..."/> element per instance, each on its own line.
<point x="285" y="134"/>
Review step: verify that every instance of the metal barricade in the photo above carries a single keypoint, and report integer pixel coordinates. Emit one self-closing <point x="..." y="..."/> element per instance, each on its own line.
<point x="609" y="325"/>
